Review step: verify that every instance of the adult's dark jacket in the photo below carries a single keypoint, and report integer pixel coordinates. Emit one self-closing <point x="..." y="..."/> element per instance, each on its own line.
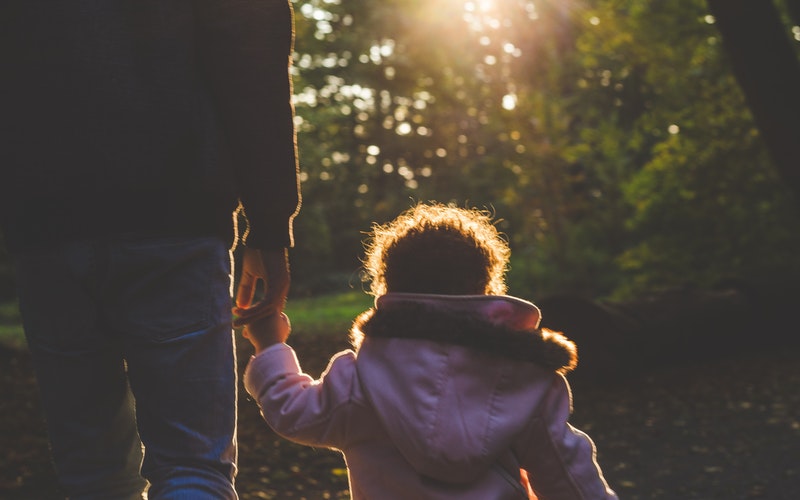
<point x="147" y="117"/>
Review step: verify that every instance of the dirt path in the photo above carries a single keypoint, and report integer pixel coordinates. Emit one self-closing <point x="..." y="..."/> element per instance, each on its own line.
<point x="726" y="430"/>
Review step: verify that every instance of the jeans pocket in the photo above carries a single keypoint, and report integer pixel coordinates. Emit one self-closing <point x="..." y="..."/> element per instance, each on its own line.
<point x="165" y="288"/>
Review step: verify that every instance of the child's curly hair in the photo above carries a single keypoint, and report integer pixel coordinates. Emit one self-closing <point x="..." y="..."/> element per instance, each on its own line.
<point x="437" y="248"/>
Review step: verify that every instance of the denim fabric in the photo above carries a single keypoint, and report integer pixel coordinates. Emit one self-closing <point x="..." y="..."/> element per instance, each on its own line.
<point x="135" y="331"/>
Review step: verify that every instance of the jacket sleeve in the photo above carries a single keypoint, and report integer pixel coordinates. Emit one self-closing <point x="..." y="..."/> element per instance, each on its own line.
<point x="307" y="411"/>
<point x="245" y="49"/>
<point x="560" y="460"/>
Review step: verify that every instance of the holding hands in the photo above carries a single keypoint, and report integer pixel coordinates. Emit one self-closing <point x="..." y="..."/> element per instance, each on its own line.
<point x="271" y="267"/>
<point x="264" y="332"/>
<point x="263" y="320"/>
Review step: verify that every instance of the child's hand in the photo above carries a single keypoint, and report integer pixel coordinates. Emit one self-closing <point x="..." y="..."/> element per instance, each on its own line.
<point x="264" y="332"/>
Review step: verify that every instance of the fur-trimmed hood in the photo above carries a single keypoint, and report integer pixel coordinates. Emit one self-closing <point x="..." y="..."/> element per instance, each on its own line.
<point x="455" y="379"/>
<point x="500" y="325"/>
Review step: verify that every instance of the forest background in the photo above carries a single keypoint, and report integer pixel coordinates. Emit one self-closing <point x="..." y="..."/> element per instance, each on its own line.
<point x="611" y="138"/>
<point x="614" y="140"/>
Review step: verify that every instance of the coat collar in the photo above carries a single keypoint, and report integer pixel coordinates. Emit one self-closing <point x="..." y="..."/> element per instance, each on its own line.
<point x="497" y="324"/>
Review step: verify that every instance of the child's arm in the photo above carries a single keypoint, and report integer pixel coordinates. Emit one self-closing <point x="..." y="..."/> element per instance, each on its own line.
<point x="265" y="332"/>
<point x="304" y="410"/>
<point x="560" y="460"/>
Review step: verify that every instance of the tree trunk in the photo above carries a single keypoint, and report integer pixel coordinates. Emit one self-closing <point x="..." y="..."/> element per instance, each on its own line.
<point x="768" y="71"/>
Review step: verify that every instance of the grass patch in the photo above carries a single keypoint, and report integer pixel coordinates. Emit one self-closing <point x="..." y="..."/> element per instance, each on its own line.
<point x="323" y="315"/>
<point x="12" y="336"/>
<point x="327" y="314"/>
<point x="11" y="333"/>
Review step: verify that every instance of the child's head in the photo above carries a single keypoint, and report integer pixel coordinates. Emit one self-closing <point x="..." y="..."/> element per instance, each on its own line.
<point x="436" y="248"/>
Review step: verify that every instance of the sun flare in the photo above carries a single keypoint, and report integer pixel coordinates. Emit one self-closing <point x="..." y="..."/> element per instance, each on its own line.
<point x="482" y="15"/>
<point x="480" y="5"/>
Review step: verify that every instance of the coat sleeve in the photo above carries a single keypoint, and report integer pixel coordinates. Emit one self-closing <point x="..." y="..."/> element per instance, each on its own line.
<point x="245" y="50"/>
<point x="307" y="411"/>
<point x="560" y="460"/>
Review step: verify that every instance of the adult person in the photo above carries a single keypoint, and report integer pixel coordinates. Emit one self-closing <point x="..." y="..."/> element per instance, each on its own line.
<point x="131" y="133"/>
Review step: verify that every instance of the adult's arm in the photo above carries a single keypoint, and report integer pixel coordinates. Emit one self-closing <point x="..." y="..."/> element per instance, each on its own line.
<point x="245" y="49"/>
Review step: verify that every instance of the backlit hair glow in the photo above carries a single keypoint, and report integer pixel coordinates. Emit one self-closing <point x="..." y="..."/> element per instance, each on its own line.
<point x="437" y="248"/>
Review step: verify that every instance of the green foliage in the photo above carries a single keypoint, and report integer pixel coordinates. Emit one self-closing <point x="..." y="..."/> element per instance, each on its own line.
<point x="707" y="209"/>
<point x="705" y="202"/>
<point x="609" y="137"/>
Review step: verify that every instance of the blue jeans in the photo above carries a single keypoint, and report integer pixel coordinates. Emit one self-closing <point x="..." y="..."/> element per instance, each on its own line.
<point x="133" y="349"/>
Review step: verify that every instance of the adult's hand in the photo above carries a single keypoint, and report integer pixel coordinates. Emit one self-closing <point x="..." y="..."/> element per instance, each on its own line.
<point x="270" y="267"/>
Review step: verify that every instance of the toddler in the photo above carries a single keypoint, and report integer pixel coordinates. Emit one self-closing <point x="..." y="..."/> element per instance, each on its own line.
<point x="452" y="391"/>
